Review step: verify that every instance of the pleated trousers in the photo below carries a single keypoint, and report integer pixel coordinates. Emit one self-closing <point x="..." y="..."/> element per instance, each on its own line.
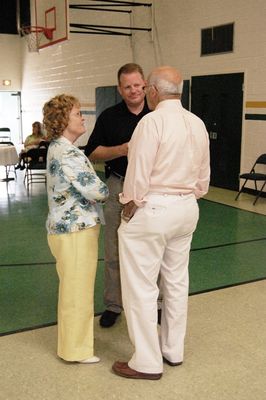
<point x="157" y="240"/>
<point x="112" y="213"/>
<point x="76" y="257"/>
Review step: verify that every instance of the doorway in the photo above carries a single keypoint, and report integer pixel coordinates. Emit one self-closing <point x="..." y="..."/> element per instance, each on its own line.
<point x="218" y="101"/>
<point x="10" y="115"/>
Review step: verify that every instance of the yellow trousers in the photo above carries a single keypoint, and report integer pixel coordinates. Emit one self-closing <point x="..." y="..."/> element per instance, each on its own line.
<point x="76" y="257"/>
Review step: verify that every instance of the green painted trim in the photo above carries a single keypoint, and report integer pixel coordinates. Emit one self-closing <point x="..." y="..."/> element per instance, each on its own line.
<point x="86" y="112"/>
<point x="256" y="117"/>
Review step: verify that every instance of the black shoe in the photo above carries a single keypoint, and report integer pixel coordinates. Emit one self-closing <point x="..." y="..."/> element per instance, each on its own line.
<point x="108" y="318"/>
<point x="22" y="167"/>
<point x="159" y="316"/>
<point x="172" y="364"/>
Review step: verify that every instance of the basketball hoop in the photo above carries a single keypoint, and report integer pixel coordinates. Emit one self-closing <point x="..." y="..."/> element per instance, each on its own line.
<point x="34" y="35"/>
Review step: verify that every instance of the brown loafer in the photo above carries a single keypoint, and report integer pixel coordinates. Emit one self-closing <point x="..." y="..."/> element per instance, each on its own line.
<point x="172" y="364"/>
<point x="122" y="369"/>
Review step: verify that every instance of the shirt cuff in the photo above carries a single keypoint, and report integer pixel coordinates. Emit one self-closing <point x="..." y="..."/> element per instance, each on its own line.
<point x="124" y="200"/>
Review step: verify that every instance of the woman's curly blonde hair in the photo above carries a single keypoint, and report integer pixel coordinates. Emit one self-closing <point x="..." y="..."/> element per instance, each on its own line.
<point x="56" y="114"/>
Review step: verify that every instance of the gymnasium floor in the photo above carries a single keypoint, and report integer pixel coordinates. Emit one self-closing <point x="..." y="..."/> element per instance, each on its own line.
<point x="225" y="354"/>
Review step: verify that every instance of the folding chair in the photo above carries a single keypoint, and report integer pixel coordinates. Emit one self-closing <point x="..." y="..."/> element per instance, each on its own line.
<point x="35" y="166"/>
<point x="254" y="176"/>
<point x="4" y="134"/>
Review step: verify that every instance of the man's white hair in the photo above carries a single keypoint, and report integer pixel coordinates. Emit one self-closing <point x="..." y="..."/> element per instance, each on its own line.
<point x="166" y="87"/>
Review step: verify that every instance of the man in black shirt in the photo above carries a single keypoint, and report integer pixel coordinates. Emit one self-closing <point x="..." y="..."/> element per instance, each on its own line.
<point x="109" y="142"/>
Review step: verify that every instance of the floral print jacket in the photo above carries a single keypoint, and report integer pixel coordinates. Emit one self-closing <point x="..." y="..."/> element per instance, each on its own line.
<point x="75" y="192"/>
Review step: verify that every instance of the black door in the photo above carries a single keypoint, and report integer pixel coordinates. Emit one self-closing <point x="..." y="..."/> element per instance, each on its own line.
<point x="218" y="101"/>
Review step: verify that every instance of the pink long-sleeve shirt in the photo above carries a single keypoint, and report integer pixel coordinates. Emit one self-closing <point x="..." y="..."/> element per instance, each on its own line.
<point x="168" y="154"/>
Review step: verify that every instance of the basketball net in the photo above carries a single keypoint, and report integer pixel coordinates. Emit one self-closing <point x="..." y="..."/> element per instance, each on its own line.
<point x="34" y="36"/>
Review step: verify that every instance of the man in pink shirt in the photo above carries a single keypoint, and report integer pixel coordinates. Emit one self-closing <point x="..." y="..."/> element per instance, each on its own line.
<point x="168" y="170"/>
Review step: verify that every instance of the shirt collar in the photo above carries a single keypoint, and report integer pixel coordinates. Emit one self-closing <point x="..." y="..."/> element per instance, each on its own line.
<point x="169" y="103"/>
<point x="145" y="109"/>
<point x="63" y="139"/>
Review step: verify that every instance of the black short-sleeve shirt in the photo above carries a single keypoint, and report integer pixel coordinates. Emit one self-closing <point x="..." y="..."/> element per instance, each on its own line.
<point x="113" y="127"/>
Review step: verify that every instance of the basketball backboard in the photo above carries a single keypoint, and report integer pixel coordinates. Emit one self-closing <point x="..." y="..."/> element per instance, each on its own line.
<point x="53" y="15"/>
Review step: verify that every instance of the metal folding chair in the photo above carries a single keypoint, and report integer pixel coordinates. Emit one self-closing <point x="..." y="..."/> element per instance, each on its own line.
<point x="254" y="176"/>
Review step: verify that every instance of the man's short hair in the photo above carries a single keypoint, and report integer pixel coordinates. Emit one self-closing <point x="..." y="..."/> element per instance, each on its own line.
<point x="129" y="68"/>
<point x="165" y="86"/>
<point x="169" y="88"/>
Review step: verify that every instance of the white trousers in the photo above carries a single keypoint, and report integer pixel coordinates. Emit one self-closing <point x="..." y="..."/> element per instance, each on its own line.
<point x="157" y="240"/>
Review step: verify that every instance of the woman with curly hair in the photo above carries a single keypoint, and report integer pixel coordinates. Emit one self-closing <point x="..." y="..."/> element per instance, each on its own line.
<point x="75" y="196"/>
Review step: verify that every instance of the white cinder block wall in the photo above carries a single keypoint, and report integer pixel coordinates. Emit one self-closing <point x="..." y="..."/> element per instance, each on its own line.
<point x="177" y="28"/>
<point x="10" y="64"/>
<point x="88" y="61"/>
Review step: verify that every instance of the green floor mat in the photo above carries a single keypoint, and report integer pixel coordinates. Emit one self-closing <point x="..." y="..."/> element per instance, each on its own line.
<point x="28" y="296"/>
<point x="228" y="248"/>
<point x="226" y="266"/>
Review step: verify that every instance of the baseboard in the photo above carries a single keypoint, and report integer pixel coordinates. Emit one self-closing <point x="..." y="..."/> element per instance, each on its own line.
<point x="253" y="192"/>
